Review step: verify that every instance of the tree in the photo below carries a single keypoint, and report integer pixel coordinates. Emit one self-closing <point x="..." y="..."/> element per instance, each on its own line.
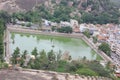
<point x="43" y="59"/>
<point x="61" y="13"/>
<point x="73" y="66"/>
<point x="84" y="4"/>
<point x="51" y="60"/>
<point x="5" y="17"/>
<point x="88" y="18"/>
<point x="87" y="33"/>
<point x="66" y="29"/>
<point x="24" y="54"/>
<point x="105" y="48"/>
<point x="63" y="2"/>
<point x="15" y="55"/>
<point x="23" y="58"/>
<point x="53" y="28"/>
<point x="28" y="25"/>
<point x="94" y="39"/>
<point x="51" y="56"/>
<point x="1" y="47"/>
<point x="2" y="27"/>
<point x="98" y="68"/>
<point x="35" y="52"/>
<point x="59" y="55"/>
<point x="70" y="67"/>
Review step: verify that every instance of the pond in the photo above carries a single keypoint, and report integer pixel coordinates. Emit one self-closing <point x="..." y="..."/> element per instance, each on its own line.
<point x="77" y="48"/>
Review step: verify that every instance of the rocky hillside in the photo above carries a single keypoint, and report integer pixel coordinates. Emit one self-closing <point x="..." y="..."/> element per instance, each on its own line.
<point x="28" y="4"/>
<point x="85" y="11"/>
<point x="18" y="5"/>
<point x="9" y="6"/>
<point x="88" y="5"/>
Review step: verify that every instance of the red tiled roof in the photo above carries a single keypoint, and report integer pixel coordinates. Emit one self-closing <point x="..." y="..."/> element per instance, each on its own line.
<point x="101" y="37"/>
<point x="117" y="74"/>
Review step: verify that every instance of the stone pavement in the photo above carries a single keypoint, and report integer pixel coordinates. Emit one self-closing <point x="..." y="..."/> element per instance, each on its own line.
<point x="30" y="74"/>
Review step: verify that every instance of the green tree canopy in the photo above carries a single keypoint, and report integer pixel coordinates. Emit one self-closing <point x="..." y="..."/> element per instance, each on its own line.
<point x="35" y="52"/>
<point x="105" y="48"/>
<point x="15" y="55"/>
<point x="5" y="17"/>
<point x="65" y="29"/>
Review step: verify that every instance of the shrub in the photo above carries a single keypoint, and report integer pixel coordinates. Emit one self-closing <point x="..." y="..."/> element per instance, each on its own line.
<point x="105" y="48"/>
<point x="86" y="72"/>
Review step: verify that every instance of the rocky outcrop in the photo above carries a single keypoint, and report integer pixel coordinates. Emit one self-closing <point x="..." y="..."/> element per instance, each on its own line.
<point x="29" y="74"/>
<point x="26" y="5"/>
<point x="18" y="5"/>
<point x="9" y="6"/>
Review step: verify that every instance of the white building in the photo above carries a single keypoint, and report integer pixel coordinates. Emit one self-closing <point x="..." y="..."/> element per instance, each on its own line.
<point x="83" y="27"/>
<point x="74" y="23"/>
<point x="95" y="33"/>
<point x="47" y="23"/>
<point x="54" y="24"/>
<point x="64" y="24"/>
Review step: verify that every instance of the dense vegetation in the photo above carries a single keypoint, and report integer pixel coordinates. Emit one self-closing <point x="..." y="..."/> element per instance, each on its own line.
<point x="1" y="39"/>
<point x="66" y="29"/>
<point x="105" y="48"/>
<point x="52" y="61"/>
<point x="63" y="12"/>
<point x="4" y="19"/>
<point x="87" y="33"/>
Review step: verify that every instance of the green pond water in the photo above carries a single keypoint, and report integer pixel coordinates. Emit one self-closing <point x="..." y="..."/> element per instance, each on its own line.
<point x="77" y="47"/>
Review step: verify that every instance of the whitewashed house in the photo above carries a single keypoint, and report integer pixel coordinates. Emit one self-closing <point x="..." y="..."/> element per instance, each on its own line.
<point x="64" y="23"/>
<point x="83" y="27"/>
<point x="74" y="23"/>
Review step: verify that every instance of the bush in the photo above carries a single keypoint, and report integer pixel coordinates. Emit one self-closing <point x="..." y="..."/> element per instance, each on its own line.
<point x="105" y="48"/>
<point x="61" y="66"/>
<point x="23" y="24"/>
<point x="87" y="33"/>
<point x="28" y="25"/>
<point x="94" y="39"/>
<point x="86" y="72"/>
<point x="98" y="68"/>
<point x="3" y="65"/>
<point x="66" y="29"/>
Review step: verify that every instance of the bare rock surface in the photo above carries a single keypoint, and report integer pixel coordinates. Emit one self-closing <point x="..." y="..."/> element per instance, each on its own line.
<point x="16" y="75"/>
